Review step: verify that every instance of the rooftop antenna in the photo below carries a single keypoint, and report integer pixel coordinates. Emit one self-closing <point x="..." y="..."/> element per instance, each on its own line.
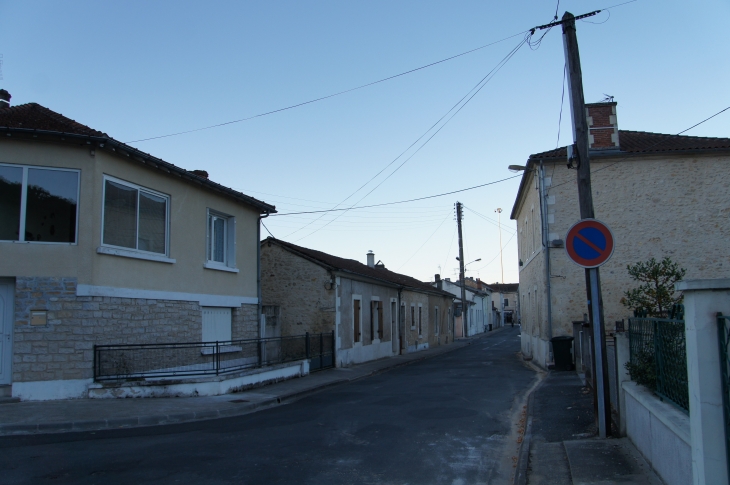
<point x="607" y="99"/>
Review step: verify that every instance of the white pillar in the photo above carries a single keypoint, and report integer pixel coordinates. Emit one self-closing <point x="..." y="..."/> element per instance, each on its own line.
<point x="702" y="300"/>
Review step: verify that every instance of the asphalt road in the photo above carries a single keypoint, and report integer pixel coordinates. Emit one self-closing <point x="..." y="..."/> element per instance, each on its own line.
<point x="445" y="420"/>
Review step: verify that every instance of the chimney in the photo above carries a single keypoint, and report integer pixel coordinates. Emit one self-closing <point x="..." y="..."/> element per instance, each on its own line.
<point x="602" y="126"/>
<point x="439" y="284"/>
<point x="4" y="99"/>
<point x="371" y="258"/>
<point x="200" y="173"/>
<point x="479" y="284"/>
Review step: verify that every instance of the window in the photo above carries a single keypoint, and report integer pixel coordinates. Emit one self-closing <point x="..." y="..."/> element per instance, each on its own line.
<point x="356" y="314"/>
<point x="376" y="320"/>
<point x="380" y="321"/>
<point x="436" y="320"/>
<point x="420" y="320"/>
<point x="221" y="241"/>
<point x="413" y="317"/>
<point x="392" y="320"/>
<point x="38" y="204"/>
<point x="134" y="217"/>
<point x="402" y="318"/>
<point x="506" y="302"/>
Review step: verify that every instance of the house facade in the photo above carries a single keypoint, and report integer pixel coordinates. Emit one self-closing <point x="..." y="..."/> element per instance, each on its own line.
<point x="661" y="195"/>
<point x="374" y="312"/>
<point x="505" y="302"/>
<point x="104" y="244"/>
<point x="478" y="305"/>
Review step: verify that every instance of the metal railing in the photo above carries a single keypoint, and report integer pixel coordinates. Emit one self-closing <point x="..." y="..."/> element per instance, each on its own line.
<point x="723" y="333"/>
<point x="167" y="360"/>
<point x="659" y="357"/>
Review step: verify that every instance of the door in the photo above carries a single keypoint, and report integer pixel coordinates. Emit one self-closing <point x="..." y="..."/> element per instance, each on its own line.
<point x="7" y="290"/>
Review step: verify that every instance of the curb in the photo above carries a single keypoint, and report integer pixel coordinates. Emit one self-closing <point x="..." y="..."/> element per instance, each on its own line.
<point x="165" y="419"/>
<point x="524" y="453"/>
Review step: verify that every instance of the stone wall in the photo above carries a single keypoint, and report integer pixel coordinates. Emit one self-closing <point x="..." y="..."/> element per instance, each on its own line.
<point x="297" y="286"/>
<point x="674" y="206"/>
<point x="63" y="348"/>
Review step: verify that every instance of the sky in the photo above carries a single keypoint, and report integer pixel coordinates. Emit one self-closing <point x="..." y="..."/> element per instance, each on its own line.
<point x="143" y="69"/>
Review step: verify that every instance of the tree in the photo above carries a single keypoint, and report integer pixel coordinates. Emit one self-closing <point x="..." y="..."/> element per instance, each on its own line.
<point x="656" y="293"/>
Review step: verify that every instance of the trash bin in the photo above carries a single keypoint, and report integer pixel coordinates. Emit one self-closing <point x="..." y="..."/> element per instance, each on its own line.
<point x="563" y="352"/>
<point x="490" y="327"/>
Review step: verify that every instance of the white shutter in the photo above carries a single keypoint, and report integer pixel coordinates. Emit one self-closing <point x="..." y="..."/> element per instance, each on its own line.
<point x="216" y="324"/>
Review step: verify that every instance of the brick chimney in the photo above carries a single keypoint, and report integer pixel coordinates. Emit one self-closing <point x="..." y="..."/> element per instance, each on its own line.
<point x="371" y="258"/>
<point x="200" y="173"/>
<point x="439" y="283"/>
<point x="602" y="126"/>
<point x="4" y="99"/>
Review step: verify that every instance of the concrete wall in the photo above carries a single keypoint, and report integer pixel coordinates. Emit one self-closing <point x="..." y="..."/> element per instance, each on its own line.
<point x="660" y="432"/>
<point x="297" y="286"/>
<point x="187" y="231"/>
<point x="656" y="206"/>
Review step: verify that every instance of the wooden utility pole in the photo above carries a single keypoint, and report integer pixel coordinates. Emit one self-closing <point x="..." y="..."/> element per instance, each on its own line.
<point x="585" y="197"/>
<point x="461" y="271"/>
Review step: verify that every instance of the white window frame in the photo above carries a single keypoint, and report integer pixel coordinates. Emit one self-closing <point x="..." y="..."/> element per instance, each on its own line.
<point x="229" y="246"/>
<point x="24" y="203"/>
<point x="134" y="252"/>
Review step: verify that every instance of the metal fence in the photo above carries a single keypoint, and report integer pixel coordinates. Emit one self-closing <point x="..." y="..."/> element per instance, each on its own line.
<point x="143" y="361"/>
<point x="659" y="357"/>
<point x="723" y="332"/>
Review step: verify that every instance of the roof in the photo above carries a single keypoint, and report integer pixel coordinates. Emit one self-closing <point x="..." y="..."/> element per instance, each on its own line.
<point x="635" y="142"/>
<point x="505" y="287"/>
<point x="352" y="266"/>
<point x="632" y="144"/>
<point x="34" y="120"/>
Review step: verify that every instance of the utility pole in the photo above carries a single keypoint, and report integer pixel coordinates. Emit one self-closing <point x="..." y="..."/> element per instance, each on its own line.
<point x="585" y="197"/>
<point x="461" y="270"/>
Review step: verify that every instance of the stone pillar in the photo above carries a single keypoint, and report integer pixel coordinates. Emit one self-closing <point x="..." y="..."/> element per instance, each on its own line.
<point x="623" y="355"/>
<point x="702" y="300"/>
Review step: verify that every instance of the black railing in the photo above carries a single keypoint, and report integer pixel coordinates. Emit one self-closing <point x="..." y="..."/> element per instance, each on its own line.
<point x="145" y="361"/>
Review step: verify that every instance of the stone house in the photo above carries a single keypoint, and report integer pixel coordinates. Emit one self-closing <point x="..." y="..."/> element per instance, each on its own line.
<point x="661" y="195"/>
<point x="104" y="244"/>
<point x="373" y="311"/>
<point x="479" y="304"/>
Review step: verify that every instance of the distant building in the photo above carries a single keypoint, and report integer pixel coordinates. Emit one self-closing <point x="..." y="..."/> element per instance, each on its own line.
<point x="479" y="304"/>
<point x="373" y="311"/>
<point x="505" y="299"/>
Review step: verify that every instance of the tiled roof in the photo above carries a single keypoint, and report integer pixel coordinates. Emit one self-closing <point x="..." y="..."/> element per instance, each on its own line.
<point x="505" y="287"/>
<point x="644" y="142"/>
<point x="356" y="267"/>
<point x="33" y="116"/>
<point x="36" y="119"/>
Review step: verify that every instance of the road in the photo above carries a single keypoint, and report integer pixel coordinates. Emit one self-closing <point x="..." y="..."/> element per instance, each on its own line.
<point x="449" y="419"/>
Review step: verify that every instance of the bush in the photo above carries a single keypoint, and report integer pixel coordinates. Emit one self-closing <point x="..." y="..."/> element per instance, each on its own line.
<point x="644" y="370"/>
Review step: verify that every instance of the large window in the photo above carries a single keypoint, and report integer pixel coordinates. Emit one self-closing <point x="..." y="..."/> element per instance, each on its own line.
<point x="38" y="204"/>
<point x="221" y="241"/>
<point x="135" y="217"/>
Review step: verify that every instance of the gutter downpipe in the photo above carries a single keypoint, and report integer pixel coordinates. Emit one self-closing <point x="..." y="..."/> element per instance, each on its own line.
<point x="262" y="325"/>
<point x="404" y="337"/>
<point x="546" y="249"/>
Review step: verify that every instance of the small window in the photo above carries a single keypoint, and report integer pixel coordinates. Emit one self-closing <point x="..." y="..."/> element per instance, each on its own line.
<point x="436" y="320"/>
<point x="506" y="302"/>
<point x="420" y="320"/>
<point x="216" y="324"/>
<point x="413" y="317"/>
<point x="134" y="217"/>
<point x="221" y="240"/>
<point x="38" y="204"/>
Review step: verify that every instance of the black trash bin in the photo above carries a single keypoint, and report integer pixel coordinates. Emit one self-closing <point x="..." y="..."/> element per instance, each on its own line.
<point x="563" y="352"/>
<point x="490" y="327"/>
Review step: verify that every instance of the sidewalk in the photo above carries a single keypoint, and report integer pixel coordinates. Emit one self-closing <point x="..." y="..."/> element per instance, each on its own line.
<point x="560" y="445"/>
<point x="98" y="414"/>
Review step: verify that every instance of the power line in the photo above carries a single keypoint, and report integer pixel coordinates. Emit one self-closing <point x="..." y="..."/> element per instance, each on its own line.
<point x="322" y="98"/>
<point x="493" y="222"/>
<point x="461" y="103"/>
<point x="424" y="242"/>
<point x="398" y="202"/>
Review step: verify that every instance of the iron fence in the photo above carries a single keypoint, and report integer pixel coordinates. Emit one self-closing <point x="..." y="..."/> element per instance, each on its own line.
<point x="658" y="358"/>
<point x="723" y="331"/>
<point x="165" y="360"/>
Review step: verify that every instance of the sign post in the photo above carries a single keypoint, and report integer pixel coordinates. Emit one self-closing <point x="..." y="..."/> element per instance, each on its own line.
<point x="590" y="244"/>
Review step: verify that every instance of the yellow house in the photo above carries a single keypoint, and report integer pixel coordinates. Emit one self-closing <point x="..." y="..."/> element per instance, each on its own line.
<point x="101" y="243"/>
<point x="661" y="195"/>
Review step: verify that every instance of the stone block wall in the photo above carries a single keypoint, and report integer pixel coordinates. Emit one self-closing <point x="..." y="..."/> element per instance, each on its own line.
<point x="297" y="287"/>
<point x="63" y="348"/>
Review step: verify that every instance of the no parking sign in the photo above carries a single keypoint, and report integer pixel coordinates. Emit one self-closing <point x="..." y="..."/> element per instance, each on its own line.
<point x="589" y="243"/>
